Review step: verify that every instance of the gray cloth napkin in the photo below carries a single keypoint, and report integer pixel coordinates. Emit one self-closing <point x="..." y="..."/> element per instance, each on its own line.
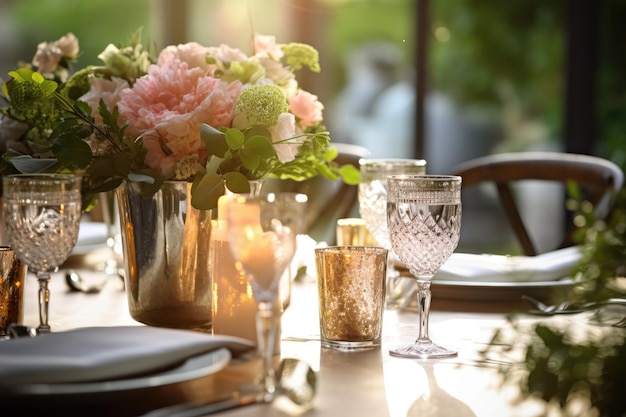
<point x="104" y="353"/>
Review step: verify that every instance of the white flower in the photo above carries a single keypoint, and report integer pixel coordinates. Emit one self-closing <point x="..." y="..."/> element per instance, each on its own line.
<point x="283" y="134"/>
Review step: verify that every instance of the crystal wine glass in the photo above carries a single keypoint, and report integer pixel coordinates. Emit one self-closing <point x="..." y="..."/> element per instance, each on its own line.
<point x="42" y="217"/>
<point x="424" y="219"/>
<point x="373" y="209"/>
<point x="262" y="237"/>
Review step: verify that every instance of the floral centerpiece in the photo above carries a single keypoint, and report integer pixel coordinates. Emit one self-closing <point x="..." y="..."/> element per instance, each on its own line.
<point x="214" y="116"/>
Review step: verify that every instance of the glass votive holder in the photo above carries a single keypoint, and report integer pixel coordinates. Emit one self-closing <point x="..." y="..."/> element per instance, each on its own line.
<point x="353" y="231"/>
<point x="351" y="285"/>
<point x="12" y="273"/>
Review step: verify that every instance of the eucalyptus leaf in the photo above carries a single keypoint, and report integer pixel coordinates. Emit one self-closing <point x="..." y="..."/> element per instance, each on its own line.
<point x="107" y="186"/>
<point x="234" y="139"/>
<point x="250" y="158"/>
<point x="26" y="164"/>
<point x="258" y="130"/>
<point x="101" y="166"/>
<point x="214" y="140"/>
<point x="261" y="145"/>
<point x="72" y="151"/>
<point x="207" y="191"/>
<point x="237" y="183"/>
<point x="123" y="164"/>
<point x="136" y="177"/>
<point x="38" y="148"/>
<point x="255" y="151"/>
<point x="148" y="189"/>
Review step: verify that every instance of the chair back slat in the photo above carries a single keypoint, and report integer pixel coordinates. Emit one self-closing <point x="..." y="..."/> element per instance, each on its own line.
<point x="599" y="179"/>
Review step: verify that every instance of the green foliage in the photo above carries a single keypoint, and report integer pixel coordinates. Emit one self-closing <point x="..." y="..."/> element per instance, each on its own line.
<point x="610" y="81"/>
<point x="239" y="156"/>
<point x="358" y="22"/>
<point x="76" y="140"/>
<point x="603" y="245"/>
<point x="517" y="43"/>
<point x="558" y="368"/>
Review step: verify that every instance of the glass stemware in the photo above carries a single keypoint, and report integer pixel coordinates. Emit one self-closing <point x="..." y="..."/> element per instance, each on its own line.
<point x="373" y="209"/>
<point x="42" y="217"/>
<point x="424" y="219"/>
<point x="262" y="237"/>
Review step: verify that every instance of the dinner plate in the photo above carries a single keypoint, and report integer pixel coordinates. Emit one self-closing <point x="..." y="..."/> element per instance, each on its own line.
<point x="192" y="368"/>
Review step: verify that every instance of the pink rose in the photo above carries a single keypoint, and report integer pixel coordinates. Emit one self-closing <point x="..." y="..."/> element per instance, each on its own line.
<point x="282" y="133"/>
<point x="107" y="90"/>
<point x="265" y="44"/>
<point x="167" y="106"/>
<point x="68" y="45"/>
<point x="47" y="57"/>
<point x="307" y="108"/>
<point x="226" y="54"/>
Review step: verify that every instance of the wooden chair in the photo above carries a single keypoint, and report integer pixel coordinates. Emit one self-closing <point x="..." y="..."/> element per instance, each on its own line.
<point x="599" y="179"/>
<point x="329" y="200"/>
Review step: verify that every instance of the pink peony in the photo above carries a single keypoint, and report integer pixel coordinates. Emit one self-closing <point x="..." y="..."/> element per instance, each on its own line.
<point x="167" y="107"/>
<point x="107" y="90"/>
<point x="307" y="108"/>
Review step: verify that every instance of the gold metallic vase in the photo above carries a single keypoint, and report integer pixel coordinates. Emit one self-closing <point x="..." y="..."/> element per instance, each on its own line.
<point x="166" y="254"/>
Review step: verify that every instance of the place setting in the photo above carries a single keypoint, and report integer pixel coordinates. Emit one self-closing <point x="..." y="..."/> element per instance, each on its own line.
<point x="91" y="364"/>
<point x="181" y="237"/>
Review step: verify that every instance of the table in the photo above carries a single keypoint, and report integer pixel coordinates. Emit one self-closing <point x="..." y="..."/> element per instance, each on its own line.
<point x="367" y="383"/>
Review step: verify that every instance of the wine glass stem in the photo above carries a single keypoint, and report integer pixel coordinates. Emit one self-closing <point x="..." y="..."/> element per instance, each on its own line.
<point x="423" y="305"/>
<point x="44" y="298"/>
<point x="266" y="324"/>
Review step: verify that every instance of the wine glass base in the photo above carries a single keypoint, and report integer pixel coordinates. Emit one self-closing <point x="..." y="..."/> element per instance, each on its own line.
<point x="43" y="329"/>
<point x="259" y="391"/>
<point x="423" y="350"/>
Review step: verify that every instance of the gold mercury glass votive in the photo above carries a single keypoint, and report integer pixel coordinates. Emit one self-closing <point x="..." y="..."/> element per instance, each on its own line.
<point x="351" y="284"/>
<point x="354" y="232"/>
<point x="12" y="273"/>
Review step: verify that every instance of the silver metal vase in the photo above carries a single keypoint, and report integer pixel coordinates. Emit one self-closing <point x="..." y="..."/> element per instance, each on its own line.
<point x="166" y="253"/>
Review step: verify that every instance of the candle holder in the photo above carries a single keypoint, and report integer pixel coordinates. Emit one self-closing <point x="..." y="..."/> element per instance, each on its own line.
<point x="262" y="237"/>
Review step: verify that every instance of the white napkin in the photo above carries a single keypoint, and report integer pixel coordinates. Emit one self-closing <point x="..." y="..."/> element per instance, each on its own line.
<point x="550" y="266"/>
<point x="91" y="236"/>
<point x="104" y="353"/>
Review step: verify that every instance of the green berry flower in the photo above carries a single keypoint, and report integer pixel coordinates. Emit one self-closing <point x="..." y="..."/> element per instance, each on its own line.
<point x="298" y="55"/>
<point x="262" y="104"/>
